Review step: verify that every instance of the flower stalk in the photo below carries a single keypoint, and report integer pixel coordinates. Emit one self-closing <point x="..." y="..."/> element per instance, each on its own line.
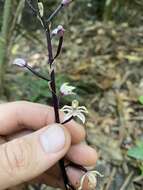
<point x="52" y="80"/>
<point x="22" y="63"/>
<point x="70" y="111"/>
<point x="36" y="73"/>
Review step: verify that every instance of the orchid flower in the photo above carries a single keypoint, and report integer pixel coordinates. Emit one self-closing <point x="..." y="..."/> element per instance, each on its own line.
<point x="92" y="181"/>
<point x="20" y="62"/>
<point x="74" y="111"/>
<point x="67" y="89"/>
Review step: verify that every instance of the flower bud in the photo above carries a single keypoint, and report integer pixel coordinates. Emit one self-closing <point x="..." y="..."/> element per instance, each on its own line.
<point x="41" y="8"/>
<point x="20" y="62"/>
<point x="66" y="2"/>
<point x="59" y="31"/>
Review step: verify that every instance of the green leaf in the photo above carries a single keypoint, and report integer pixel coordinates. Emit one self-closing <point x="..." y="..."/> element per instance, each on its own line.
<point x="141" y="99"/>
<point x="137" y="152"/>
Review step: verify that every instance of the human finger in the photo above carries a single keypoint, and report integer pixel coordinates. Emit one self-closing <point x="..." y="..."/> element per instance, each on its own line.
<point x="27" y="157"/>
<point x="82" y="154"/>
<point x="18" y="115"/>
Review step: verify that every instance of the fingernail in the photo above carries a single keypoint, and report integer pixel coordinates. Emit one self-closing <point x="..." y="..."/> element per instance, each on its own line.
<point x="53" y="139"/>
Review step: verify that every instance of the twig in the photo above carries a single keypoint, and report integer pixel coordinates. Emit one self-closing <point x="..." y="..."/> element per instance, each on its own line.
<point x="120" y="111"/>
<point x="110" y="178"/>
<point x="138" y="178"/>
<point x="126" y="182"/>
<point x="17" y="12"/>
<point x="4" y="42"/>
<point x="136" y="118"/>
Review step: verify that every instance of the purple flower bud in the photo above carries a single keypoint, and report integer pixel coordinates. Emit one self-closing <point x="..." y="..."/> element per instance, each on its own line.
<point x="20" y="62"/>
<point x="66" y="2"/>
<point x="59" y="31"/>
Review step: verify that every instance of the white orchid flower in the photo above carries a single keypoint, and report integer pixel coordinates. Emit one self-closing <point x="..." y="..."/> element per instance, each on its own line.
<point x="66" y="89"/>
<point x="92" y="181"/>
<point x="74" y="111"/>
<point x="20" y="62"/>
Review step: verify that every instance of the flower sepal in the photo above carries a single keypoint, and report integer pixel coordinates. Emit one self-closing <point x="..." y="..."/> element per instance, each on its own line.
<point x="92" y="181"/>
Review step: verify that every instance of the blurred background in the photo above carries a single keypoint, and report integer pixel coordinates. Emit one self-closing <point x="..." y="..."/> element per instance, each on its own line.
<point x="103" y="57"/>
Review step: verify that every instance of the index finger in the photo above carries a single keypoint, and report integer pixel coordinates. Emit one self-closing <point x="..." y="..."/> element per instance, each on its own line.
<point x="16" y="116"/>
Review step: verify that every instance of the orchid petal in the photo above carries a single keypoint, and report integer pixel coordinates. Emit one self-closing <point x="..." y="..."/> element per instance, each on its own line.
<point x="67" y="116"/>
<point x="66" y="107"/>
<point x="81" y="117"/>
<point x="83" y="109"/>
<point x="67" y="110"/>
<point x="91" y="180"/>
<point x="97" y="173"/>
<point x="82" y="181"/>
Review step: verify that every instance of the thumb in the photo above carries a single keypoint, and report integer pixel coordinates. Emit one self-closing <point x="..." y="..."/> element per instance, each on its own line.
<point x="27" y="157"/>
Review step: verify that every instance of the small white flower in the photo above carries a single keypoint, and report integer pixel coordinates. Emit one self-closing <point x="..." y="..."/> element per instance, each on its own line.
<point x="20" y="62"/>
<point x="74" y="111"/>
<point x="65" y="89"/>
<point x="59" y="31"/>
<point x="91" y="176"/>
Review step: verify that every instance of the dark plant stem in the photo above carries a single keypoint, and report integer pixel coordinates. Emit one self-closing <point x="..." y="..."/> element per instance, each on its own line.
<point x="55" y="98"/>
<point x="37" y="73"/>
<point x="68" y="120"/>
<point x="58" y="9"/>
<point x="76" y="166"/>
<point x="52" y="83"/>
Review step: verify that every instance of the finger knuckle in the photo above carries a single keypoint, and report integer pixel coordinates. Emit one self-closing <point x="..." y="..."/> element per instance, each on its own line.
<point x="16" y="156"/>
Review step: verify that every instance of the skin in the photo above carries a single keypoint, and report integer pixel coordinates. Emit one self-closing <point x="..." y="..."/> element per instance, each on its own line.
<point x="22" y="122"/>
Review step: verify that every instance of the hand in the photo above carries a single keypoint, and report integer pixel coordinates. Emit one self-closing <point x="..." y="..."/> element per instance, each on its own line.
<point x="35" y="145"/>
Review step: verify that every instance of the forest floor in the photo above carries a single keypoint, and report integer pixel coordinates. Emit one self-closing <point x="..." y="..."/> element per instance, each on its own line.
<point x="105" y="63"/>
